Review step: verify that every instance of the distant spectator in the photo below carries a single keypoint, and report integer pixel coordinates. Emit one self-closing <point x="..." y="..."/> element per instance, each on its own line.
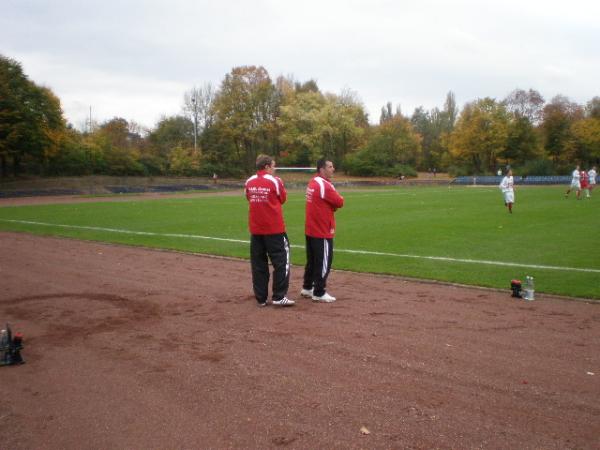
<point x="215" y="178"/>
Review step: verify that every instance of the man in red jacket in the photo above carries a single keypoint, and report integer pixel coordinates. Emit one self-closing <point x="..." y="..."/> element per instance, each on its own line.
<point x="266" y="193"/>
<point x="322" y="200"/>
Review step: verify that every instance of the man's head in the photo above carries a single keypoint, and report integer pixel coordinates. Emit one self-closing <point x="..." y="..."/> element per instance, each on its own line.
<point x="265" y="162"/>
<point x="325" y="168"/>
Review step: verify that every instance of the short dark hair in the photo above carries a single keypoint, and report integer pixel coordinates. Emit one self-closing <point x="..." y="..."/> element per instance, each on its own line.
<point x="263" y="161"/>
<point x="321" y="163"/>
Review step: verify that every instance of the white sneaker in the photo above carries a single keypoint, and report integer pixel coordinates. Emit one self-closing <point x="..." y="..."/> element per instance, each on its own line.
<point x="306" y="293"/>
<point x="325" y="298"/>
<point x="284" y="302"/>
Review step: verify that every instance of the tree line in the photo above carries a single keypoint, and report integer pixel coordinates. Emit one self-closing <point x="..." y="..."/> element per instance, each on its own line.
<point x="222" y="130"/>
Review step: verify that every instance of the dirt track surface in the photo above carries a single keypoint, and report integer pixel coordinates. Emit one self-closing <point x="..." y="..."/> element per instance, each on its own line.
<point x="133" y="348"/>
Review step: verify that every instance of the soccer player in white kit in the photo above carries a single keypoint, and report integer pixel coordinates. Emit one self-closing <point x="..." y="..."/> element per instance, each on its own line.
<point x="507" y="187"/>
<point x="592" y="176"/>
<point x="575" y="183"/>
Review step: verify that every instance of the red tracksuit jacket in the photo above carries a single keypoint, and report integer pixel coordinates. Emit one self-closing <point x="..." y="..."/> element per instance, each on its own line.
<point x="321" y="202"/>
<point x="265" y="193"/>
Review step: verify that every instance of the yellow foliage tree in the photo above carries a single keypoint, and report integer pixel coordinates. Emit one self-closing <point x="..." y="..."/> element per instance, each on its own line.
<point x="480" y="135"/>
<point x="586" y="134"/>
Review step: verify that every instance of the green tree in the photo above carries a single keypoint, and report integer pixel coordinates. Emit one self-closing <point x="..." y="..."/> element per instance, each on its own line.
<point x="184" y="161"/>
<point x="392" y="149"/>
<point x="31" y="121"/>
<point x="169" y="133"/>
<point x="449" y="113"/>
<point x="592" y="108"/>
<point x="434" y="126"/>
<point x="120" y="147"/>
<point x="522" y="143"/>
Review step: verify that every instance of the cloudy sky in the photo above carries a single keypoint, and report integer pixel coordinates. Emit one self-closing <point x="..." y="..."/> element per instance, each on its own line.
<point x="136" y="58"/>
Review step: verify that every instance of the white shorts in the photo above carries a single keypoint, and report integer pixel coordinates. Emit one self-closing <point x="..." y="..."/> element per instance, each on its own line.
<point x="575" y="185"/>
<point x="509" y="197"/>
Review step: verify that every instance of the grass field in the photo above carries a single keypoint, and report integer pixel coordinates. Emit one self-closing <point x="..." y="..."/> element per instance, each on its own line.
<point x="458" y="234"/>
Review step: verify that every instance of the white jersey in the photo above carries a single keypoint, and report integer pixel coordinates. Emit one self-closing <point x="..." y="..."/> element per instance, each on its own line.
<point x="592" y="176"/>
<point x="575" y="184"/>
<point x="507" y="183"/>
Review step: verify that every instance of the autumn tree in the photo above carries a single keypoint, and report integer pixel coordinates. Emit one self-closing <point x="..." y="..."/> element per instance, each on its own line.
<point x="525" y="104"/>
<point x="586" y="135"/>
<point x="558" y="117"/>
<point x="300" y="126"/>
<point x="314" y="125"/>
<point x="480" y="135"/>
<point x="245" y="109"/>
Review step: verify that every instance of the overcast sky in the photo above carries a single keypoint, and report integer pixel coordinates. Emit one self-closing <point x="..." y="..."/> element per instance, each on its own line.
<point x="136" y="59"/>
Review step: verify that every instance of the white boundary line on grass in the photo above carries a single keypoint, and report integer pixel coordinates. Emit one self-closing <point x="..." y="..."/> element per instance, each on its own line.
<point x="341" y="250"/>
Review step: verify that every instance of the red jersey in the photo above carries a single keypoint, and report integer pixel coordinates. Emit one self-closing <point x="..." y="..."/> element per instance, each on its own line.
<point x="265" y="193"/>
<point x="584" y="179"/>
<point x="321" y="202"/>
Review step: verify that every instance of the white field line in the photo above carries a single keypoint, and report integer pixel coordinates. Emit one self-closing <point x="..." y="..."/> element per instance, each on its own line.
<point x="340" y="250"/>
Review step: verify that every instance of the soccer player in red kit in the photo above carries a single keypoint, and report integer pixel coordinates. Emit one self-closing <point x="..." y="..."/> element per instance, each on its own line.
<point x="265" y="194"/>
<point x="322" y="200"/>
<point x="585" y="187"/>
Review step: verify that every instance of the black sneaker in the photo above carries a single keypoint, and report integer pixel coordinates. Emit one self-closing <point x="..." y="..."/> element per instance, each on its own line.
<point x="262" y="304"/>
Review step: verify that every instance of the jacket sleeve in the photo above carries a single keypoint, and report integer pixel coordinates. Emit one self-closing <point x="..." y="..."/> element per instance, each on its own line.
<point x="333" y="198"/>
<point x="282" y="191"/>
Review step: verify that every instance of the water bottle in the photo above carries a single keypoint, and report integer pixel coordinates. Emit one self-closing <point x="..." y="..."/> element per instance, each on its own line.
<point x="529" y="289"/>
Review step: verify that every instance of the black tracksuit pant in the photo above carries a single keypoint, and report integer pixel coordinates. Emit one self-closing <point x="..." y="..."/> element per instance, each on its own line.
<point x="319" y="256"/>
<point x="275" y="247"/>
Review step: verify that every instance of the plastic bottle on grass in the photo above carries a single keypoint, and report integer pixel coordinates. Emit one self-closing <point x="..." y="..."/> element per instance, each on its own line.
<point x="529" y="289"/>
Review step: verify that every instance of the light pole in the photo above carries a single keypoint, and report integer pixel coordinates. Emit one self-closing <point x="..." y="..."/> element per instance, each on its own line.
<point x="195" y="119"/>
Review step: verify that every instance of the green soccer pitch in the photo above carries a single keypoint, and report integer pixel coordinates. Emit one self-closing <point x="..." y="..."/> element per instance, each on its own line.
<point x="456" y="234"/>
